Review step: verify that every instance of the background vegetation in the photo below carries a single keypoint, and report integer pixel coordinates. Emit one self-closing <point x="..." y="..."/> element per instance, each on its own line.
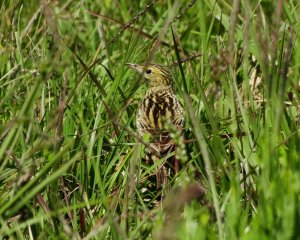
<point x="70" y="160"/>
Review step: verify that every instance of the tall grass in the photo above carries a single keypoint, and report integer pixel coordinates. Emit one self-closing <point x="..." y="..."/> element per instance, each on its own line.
<point x="70" y="160"/>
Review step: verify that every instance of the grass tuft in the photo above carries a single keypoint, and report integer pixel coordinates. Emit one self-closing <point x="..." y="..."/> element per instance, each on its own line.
<point x="71" y="162"/>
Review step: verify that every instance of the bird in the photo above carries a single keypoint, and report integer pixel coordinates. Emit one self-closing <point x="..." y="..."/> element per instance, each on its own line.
<point x="158" y="106"/>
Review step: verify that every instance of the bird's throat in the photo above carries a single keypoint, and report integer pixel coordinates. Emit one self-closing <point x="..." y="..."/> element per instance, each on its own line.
<point x="159" y="89"/>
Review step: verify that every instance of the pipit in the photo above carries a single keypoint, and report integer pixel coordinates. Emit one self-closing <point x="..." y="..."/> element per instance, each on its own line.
<point x="159" y="105"/>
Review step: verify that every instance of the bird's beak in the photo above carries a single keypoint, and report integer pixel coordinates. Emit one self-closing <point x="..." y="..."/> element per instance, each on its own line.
<point x="136" y="67"/>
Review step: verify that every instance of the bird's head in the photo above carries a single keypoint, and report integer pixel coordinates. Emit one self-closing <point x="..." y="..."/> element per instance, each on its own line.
<point x="155" y="75"/>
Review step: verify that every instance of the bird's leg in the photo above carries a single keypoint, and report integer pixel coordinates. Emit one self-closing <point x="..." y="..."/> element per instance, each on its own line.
<point x="162" y="177"/>
<point x="176" y="165"/>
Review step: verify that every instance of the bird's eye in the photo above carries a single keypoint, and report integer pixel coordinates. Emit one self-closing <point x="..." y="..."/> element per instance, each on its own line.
<point x="148" y="71"/>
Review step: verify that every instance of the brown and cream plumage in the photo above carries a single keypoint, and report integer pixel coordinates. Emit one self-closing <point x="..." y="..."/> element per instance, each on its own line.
<point x="159" y="105"/>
